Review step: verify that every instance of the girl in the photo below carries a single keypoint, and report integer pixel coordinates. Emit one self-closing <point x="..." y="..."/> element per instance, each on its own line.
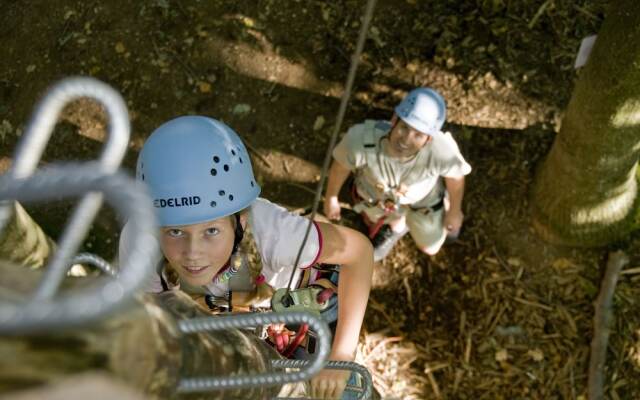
<point x="206" y="197"/>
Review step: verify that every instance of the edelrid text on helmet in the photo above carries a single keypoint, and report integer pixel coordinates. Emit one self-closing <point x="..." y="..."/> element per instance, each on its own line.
<point x="423" y="109"/>
<point x="197" y="169"/>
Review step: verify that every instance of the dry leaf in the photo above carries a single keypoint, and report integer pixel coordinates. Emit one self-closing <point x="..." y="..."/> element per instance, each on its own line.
<point x="204" y="87"/>
<point x="502" y="355"/>
<point x="536" y="354"/>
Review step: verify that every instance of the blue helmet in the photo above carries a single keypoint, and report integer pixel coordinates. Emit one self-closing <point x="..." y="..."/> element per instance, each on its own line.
<point x="197" y="169"/>
<point x="423" y="109"/>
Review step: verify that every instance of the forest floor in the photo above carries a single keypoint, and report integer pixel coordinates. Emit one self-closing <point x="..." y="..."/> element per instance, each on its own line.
<point x="498" y="314"/>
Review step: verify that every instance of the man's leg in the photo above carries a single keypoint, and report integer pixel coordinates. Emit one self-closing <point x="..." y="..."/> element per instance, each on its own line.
<point x="394" y="229"/>
<point x="427" y="230"/>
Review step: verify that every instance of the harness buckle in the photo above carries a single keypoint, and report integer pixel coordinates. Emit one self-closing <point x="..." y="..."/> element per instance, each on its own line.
<point x="304" y="299"/>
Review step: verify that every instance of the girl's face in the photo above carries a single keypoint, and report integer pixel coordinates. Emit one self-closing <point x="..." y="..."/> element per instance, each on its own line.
<point x="198" y="251"/>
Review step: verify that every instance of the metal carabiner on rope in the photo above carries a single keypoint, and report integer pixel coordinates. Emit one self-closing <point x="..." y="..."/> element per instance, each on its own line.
<point x="32" y="144"/>
<point x="188" y="385"/>
<point x="343" y="365"/>
<point x="88" y="303"/>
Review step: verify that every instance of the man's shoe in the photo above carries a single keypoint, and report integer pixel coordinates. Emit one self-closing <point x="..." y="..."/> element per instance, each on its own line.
<point x="384" y="241"/>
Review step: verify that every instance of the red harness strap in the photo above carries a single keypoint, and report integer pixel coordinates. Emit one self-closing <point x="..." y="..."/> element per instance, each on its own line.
<point x="374" y="226"/>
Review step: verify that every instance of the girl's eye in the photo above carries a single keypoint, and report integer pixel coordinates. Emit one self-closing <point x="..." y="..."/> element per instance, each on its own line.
<point x="212" y="231"/>
<point x="174" y="232"/>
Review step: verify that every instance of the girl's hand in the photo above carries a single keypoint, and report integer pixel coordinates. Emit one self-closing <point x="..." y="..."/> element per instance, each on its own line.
<point x="329" y="384"/>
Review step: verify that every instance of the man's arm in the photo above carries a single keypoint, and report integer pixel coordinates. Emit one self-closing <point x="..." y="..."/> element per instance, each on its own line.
<point x="338" y="174"/>
<point x="454" y="216"/>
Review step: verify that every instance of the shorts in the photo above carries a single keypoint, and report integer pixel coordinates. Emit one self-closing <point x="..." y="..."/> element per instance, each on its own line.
<point x="425" y="225"/>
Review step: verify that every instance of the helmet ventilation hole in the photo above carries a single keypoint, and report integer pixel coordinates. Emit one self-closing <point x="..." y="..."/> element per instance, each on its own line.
<point x="213" y="204"/>
<point x="230" y="197"/>
<point x="226" y="168"/>
<point x="142" y="176"/>
<point x="233" y="152"/>
<point x="216" y="159"/>
<point x="214" y="172"/>
<point x="221" y="193"/>
<point x="240" y="158"/>
<point x="252" y="184"/>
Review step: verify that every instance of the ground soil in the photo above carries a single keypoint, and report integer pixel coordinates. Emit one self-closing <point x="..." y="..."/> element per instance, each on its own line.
<point x="497" y="314"/>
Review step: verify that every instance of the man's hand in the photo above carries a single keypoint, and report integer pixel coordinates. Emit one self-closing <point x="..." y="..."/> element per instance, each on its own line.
<point x="332" y="208"/>
<point x="453" y="221"/>
<point x="329" y="384"/>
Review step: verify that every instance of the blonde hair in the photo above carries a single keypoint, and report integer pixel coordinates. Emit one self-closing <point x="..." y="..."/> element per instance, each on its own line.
<point x="262" y="290"/>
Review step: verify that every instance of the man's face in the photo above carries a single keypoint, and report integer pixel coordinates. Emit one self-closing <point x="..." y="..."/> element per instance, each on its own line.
<point x="198" y="251"/>
<point x="404" y="141"/>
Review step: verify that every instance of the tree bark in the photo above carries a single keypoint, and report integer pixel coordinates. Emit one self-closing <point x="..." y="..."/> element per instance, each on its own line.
<point x="586" y="191"/>
<point x="142" y="347"/>
<point x="23" y="242"/>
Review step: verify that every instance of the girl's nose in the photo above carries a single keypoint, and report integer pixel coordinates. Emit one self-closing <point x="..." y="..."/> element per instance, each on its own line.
<point x="193" y="247"/>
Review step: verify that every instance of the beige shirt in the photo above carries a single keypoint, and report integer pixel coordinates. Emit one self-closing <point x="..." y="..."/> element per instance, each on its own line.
<point x="416" y="181"/>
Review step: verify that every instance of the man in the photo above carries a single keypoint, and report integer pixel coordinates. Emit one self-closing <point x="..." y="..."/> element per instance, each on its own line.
<point x="409" y="175"/>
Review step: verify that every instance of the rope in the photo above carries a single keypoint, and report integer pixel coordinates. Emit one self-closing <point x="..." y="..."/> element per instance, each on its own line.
<point x="204" y="324"/>
<point x="336" y="128"/>
<point x="86" y="304"/>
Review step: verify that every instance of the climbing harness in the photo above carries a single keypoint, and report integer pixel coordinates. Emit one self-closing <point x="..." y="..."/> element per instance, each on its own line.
<point x="304" y="299"/>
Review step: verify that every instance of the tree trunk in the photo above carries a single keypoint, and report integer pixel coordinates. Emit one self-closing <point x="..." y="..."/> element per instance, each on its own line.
<point x="142" y="347"/>
<point x="586" y="191"/>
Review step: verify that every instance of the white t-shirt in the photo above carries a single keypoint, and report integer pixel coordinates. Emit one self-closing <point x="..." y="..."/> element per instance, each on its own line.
<point x="278" y="235"/>
<point x="413" y="181"/>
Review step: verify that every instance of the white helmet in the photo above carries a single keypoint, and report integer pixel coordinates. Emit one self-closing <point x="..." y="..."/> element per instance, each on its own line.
<point x="423" y="109"/>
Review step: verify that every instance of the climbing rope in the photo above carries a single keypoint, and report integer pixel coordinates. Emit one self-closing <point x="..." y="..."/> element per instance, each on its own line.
<point x="336" y="128"/>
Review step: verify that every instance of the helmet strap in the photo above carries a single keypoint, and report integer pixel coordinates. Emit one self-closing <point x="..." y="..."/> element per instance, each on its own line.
<point x="238" y="234"/>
